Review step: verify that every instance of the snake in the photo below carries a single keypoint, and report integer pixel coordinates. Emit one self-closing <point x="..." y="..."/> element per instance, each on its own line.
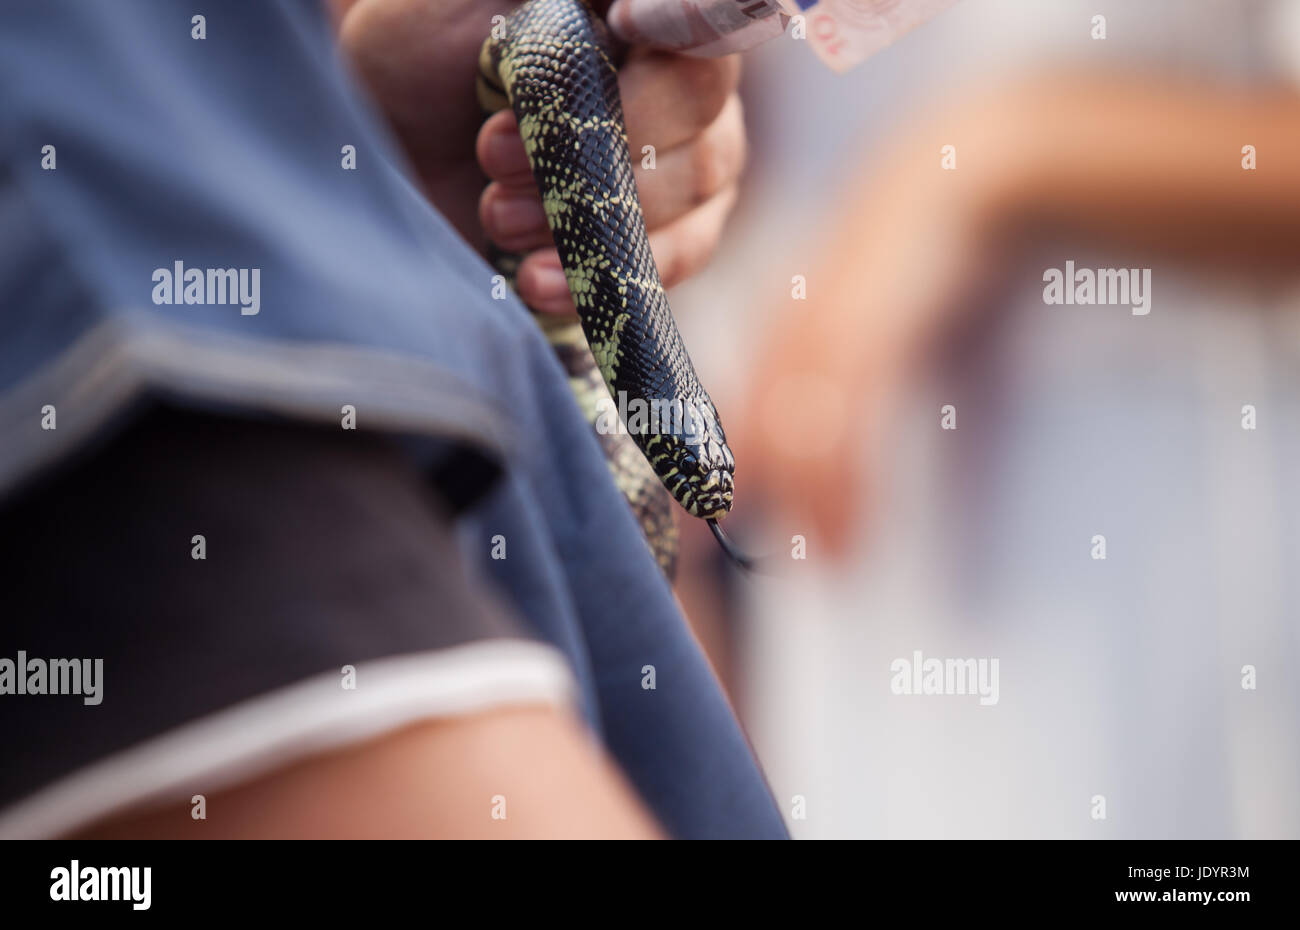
<point x="554" y="63"/>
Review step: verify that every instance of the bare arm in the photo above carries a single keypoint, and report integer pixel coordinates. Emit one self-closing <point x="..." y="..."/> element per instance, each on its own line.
<point x="1154" y="162"/>
<point x="438" y="780"/>
<point x="375" y="577"/>
<point x="1139" y="160"/>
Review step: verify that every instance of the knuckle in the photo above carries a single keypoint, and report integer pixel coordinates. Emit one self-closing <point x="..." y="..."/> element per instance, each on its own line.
<point x="485" y="200"/>
<point x="717" y="159"/>
<point x="708" y="82"/>
<point x="709" y="169"/>
<point x="687" y="250"/>
<point x="670" y="260"/>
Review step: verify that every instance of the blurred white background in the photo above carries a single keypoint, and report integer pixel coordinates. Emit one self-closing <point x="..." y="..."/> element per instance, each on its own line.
<point x="1120" y="677"/>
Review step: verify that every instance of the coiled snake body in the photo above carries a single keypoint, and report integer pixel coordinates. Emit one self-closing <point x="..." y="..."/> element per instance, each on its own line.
<point x="552" y="62"/>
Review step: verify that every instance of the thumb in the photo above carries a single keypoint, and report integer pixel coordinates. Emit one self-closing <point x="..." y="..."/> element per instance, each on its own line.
<point x="708" y="28"/>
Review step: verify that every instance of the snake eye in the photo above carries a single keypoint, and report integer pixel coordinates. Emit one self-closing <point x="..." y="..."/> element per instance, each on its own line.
<point x="687" y="461"/>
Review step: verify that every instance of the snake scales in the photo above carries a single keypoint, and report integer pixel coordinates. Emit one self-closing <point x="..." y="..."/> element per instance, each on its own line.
<point x="553" y="63"/>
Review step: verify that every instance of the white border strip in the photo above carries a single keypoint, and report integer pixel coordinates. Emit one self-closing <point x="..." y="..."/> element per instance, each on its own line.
<point x="314" y="716"/>
<point x="113" y="363"/>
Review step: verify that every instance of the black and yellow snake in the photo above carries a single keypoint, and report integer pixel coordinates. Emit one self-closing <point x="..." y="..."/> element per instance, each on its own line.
<point x="553" y="62"/>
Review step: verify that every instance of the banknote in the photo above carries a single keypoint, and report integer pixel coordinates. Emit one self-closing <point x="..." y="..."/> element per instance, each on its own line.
<point x="843" y="33"/>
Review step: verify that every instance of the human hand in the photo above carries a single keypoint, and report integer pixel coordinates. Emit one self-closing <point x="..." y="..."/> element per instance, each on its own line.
<point x="418" y="57"/>
<point x="900" y="255"/>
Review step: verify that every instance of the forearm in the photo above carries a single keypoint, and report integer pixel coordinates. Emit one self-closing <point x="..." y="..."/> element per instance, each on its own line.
<point x="521" y="773"/>
<point x="1132" y="161"/>
<point x="1150" y="163"/>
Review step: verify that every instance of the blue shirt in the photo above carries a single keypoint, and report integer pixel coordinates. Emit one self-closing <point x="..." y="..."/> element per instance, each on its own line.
<point x="227" y="153"/>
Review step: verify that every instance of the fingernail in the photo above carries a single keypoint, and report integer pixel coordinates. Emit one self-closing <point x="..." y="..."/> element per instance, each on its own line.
<point x="620" y="19"/>
<point x="512" y="216"/>
<point x="504" y="155"/>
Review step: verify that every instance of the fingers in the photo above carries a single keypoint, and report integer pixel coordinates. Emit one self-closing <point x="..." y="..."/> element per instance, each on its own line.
<point x="541" y="283"/>
<point x="687" y="109"/>
<point x="501" y="152"/>
<point x="682" y="178"/>
<point x="680" y="249"/>
<point x="669" y="99"/>
<point x="685" y="173"/>
<point x="513" y="218"/>
<point x="685" y="245"/>
<point x="694" y="172"/>
<point x="510" y="208"/>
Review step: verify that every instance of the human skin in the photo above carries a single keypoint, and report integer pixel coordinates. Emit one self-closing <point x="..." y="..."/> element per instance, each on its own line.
<point x="438" y="778"/>
<point x="418" y="60"/>
<point x="1143" y="161"/>
<point x="441" y="779"/>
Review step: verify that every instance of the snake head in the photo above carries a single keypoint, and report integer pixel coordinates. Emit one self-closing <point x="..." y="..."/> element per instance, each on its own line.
<point x="689" y="453"/>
